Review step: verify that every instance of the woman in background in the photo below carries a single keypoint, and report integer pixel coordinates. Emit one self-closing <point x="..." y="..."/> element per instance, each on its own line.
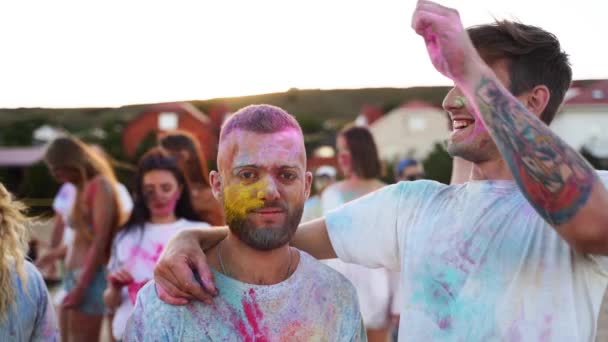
<point x="95" y="217"/>
<point x="162" y="208"/>
<point x="26" y="312"/>
<point x="358" y="160"/>
<point x="186" y="149"/>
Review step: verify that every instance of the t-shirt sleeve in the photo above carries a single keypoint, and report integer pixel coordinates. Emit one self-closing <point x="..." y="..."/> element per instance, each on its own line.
<point x="153" y="320"/>
<point x="370" y="230"/>
<point x="126" y="203"/>
<point x="46" y="327"/>
<point x="64" y="200"/>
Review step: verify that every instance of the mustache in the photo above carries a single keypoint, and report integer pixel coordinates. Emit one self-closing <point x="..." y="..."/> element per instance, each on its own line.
<point x="272" y="204"/>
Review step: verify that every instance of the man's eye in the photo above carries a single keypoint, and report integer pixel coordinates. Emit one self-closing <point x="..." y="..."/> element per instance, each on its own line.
<point x="247" y="175"/>
<point x="288" y="175"/>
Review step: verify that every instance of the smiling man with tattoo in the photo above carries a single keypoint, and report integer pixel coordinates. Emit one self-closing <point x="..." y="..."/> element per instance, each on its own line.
<point x="517" y="252"/>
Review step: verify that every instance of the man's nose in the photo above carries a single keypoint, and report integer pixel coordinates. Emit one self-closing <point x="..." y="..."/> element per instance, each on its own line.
<point x="269" y="190"/>
<point x="454" y="100"/>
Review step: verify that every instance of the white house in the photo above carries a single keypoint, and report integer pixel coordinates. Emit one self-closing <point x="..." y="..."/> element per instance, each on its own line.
<point x="411" y="130"/>
<point x="583" y="119"/>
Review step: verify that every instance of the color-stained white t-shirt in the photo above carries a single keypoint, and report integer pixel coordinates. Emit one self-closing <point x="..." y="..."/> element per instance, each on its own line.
<point x="374" y="288"/>
<point x="137" y="251"/>
<point x="477" y="262"/>
<point x="315" y="303"/>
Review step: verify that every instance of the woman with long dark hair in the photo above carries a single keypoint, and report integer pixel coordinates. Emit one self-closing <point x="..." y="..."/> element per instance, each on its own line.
<point x="359" y="162"/>
<point x="95" y="217"/>
<point x="161" y="208"/>
<point x="186" y="149"/>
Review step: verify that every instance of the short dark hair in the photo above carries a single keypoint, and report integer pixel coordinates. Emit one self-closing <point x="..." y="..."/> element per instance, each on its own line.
<point x="534" y="57"/>
<point x="363" y="151"/>
<point x="260" y="118"/>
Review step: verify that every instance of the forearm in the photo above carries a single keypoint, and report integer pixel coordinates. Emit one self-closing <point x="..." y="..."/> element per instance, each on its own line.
<point x="555" y="179"/>
<point x="58" y="229"/>
<point x="312" y="238"/>
<point x="206" y="237"/>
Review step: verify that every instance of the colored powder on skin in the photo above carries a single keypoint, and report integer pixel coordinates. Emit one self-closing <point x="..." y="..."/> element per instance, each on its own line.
<point x="169" y="207"/>
<point x="240" y="199"/>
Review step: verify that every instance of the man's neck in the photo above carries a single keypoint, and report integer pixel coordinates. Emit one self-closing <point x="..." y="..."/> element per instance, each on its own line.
<point x="237" y="260"/>
<point x="491" y="170"/>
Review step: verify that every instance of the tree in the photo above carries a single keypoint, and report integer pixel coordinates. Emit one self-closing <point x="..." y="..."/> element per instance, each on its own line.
<point x="438" y="165"/>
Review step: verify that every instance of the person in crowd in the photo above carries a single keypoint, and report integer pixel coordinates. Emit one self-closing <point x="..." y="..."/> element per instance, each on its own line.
<point x="26" y="312"/>
<point x="325" y="176"/>
<point x="409" y="169"/>
<point x="162" y="208"/>
<point x="269" y="291"/>
<point x="359" y="162"/>
<point x="185" y="147"/>
<point x="95" y="218"/>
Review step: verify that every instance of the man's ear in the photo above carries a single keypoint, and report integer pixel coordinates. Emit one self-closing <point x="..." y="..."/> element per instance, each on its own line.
<point x="216" y="185"/>
<point x="307" y="183"/>
<point x="536" y="100"/>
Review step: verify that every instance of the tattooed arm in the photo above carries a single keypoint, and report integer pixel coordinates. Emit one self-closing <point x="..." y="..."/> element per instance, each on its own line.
<point x="555" y="179"/>
<point x="563" y="188"/>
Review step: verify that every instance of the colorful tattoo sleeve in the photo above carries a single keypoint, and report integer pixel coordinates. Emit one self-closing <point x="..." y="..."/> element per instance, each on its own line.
<point x="555" y="179"/>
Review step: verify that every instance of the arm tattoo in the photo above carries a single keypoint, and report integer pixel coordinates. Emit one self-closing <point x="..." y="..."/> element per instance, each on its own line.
<point x="555" y="179"/>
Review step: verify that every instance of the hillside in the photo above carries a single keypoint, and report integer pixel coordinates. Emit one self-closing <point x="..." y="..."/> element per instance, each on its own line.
<point x="336" y="104"/>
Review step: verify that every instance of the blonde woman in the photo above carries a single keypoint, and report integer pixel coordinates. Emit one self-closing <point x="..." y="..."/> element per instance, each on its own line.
<point x="26" y="313"/>
<point x="95" y="218"/>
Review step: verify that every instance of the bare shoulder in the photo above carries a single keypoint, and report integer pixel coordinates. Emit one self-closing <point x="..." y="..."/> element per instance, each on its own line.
<point x="101" y="184"/>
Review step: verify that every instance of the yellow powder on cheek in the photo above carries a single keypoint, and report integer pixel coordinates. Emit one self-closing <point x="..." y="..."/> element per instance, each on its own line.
<point x="239" y="199"/>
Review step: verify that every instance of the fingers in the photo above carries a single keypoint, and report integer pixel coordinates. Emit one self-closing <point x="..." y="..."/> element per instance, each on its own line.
<point x="173" y="288"/>
<point x="432" y="7"/>
<point x="186" y="281"/>
<point x="204" y="274"/>
<point x="168" y="298"/>
<point x="428" y="14"/>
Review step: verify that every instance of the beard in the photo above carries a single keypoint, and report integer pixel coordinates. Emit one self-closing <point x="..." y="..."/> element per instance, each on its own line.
<point x="479" y="150"/>
<point x="267" y="238"/>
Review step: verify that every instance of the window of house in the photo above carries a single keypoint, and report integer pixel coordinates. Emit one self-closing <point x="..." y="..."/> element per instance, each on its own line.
<point x="167" y="121"/>
<point x="597" y="94"/>
<point x="417" y="124"/>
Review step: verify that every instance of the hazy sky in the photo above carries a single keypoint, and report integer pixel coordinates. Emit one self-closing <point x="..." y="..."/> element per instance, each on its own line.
<point x="111" y="53"/>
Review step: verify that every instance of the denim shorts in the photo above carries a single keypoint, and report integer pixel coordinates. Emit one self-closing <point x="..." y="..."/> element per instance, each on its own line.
<point x="92" y="303"/>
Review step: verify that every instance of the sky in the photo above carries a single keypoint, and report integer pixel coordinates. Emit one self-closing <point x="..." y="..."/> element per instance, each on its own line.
<point x="111" y="53"/>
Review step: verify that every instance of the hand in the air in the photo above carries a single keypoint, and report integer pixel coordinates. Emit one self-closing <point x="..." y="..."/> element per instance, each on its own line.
<point x="447" y="42"/>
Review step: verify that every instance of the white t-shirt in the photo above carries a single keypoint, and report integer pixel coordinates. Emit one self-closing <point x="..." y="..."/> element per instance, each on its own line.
<point x="374" y="288"/>
<point x="315" y="303"/>
<point x="137" y="251"/>
<point x="124" y="198"/>
<point x="477" y="262"/>
<point x="63" y="204"/>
